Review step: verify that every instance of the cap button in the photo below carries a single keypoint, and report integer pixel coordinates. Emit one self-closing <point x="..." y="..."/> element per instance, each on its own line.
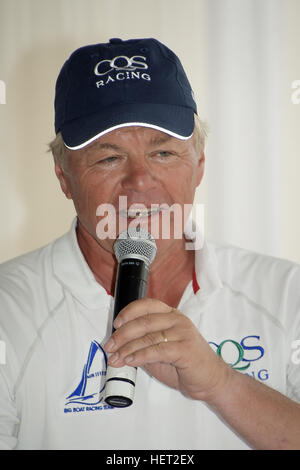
<point x="115" y="41"/>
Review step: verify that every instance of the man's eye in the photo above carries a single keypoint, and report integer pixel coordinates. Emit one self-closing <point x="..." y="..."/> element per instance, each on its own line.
<point x="108" y="160"/>
<point x="164" y="154"/>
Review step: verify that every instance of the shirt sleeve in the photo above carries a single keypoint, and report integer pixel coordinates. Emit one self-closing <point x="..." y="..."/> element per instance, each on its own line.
<point x="292" y="327"/>
<point x="293" y="366"/>
<point x="8" y="415"/>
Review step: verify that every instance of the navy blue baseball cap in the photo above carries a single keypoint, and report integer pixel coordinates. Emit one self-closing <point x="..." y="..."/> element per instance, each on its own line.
<point x="137" y="82"/>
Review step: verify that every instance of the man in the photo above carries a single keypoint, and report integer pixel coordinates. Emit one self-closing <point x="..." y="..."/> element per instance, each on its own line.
<point x="212" y="340"/>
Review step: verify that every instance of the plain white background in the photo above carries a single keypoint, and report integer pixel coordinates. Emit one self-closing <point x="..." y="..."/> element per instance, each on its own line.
<point x="242" y="57"/>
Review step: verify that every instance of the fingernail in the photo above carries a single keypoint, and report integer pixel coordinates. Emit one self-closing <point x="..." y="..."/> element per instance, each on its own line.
<point x="114" y="358"/>
<point x="128" y="359"/>
<point x="117" y="323"/>
<point x="109" y="345"/>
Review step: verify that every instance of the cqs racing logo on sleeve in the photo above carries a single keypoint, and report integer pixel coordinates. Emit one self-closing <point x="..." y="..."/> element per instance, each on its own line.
<point x="242" y="355"/>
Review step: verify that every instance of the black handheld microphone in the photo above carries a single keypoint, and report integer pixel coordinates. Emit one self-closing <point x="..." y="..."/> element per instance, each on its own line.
<point x="135" y="249"/>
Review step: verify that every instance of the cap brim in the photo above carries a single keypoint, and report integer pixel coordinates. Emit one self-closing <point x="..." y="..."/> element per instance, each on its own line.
<point x="176" y="121"/>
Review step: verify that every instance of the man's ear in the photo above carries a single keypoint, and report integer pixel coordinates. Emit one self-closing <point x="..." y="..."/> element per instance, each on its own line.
<point x="63" y="180"/>
<point x="200" y="169"/>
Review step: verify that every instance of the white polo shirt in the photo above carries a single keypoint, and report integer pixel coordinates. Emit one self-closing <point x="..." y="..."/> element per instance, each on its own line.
<point x="55" y="318"/>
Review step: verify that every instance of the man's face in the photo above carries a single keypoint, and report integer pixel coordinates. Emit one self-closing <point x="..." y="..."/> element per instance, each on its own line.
<point x="148" y="168"/>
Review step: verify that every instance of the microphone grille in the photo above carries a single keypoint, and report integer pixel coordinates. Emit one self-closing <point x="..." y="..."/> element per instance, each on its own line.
<point x="135" y="242"/>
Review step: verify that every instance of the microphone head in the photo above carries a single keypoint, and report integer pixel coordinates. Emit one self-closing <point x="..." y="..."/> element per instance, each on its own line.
<point x="135" y="243"/>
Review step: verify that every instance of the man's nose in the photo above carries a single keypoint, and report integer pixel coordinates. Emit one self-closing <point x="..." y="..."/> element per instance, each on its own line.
<point x="138" y="178"/>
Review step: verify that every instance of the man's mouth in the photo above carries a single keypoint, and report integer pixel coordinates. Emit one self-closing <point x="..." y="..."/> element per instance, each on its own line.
<point x="139" y="213"/>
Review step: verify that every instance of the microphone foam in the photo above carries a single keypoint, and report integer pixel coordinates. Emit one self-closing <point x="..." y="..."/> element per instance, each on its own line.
<point x="135" y="243"/>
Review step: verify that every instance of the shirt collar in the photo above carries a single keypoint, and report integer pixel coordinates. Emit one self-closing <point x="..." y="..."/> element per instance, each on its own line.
<point x="73" y="272"/>
<point x="206" y="280"/>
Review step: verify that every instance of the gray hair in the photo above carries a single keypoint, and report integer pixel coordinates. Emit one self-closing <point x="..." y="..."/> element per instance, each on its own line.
<point x="58" y="148"/>
<point x="200" y="134"/>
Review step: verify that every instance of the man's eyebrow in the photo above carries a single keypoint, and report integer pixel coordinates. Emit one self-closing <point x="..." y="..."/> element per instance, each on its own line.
<point x="103" y="145"/>
<point x="161" y="139"/>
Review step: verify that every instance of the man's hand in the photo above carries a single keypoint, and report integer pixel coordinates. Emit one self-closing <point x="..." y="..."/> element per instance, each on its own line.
<point x="265" y="418"/>
<point x="166" y="343"/>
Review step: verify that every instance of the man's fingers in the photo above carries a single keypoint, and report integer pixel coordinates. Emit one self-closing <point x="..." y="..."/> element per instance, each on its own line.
<point x="140" y="307"/>
<point x="146" y="351"/>
<point x="142" y="326"/>
<point x="143" y="342"/>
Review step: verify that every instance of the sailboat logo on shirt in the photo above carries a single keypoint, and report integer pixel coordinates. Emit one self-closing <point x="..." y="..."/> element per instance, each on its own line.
<point x="91" y="386"/>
